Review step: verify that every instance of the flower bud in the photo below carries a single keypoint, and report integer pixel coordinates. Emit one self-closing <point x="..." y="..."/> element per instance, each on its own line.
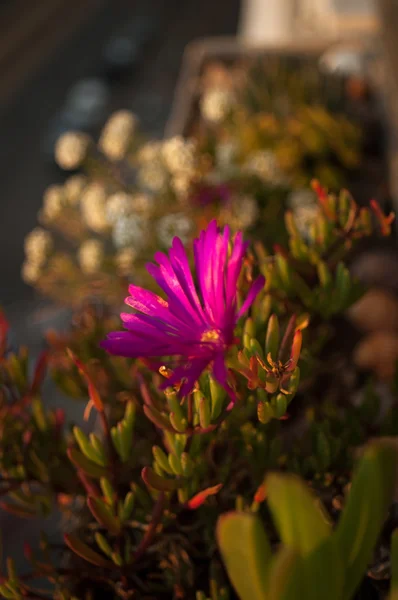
<point x="71" y="150"/>
<point x="296" y="349"/>
<point x="272" y="337"/>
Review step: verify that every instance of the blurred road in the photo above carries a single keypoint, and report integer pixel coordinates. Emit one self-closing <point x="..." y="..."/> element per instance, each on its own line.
<point x="31" y="31"/>
<point x="44" y="48"/>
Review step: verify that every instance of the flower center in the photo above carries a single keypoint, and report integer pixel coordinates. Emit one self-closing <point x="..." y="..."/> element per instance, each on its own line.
<point x="211" y="335"/>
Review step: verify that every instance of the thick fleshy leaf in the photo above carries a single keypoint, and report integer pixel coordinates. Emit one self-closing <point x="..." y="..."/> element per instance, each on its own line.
<point x="317" y="575"/>
<point x="157" y="418"/>
<point x="92" y="390"/>
<point x="385" y="221"/>
<point x="299" y="518"/>
<point x="159" y="483"/>
<point x="394" y="567"/>
<point x="246" y="553"/>
<point x="371" y="493"/>
<point x="283" y="565"/>
<point x="19" y="511"/>
<point x="103" y="515"/>
<point x="272" y="337"/>
<point x="39" y="372"/>
<point x="200" y="498"/>
<point x="84" y="551"/>
<point x="87" y="466"/>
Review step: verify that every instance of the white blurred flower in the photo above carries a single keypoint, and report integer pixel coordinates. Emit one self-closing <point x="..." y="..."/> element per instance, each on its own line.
<point x="71" y="149"/>
<point x="117" y="133"/>
<point x="181" y="183"/>
<point x="225" y="154"/>
<point x="90" y="256"/>
<point x="143" y="203"/>
<point x="301" y="198"/>
<point x="130" y="231"/>
<point x="149" y="152"/>
<point x="93" y="207"/>
<point x="263" y="163"/>
<point x="173" y="225"/>
<point x="74" y="187"/>
<point x="179" y="154"/>
<point x="53" y="201"/>
<point x="124" y="260"/>
<point x="304" y="206"/>
<point x="304" y="217"/>
<point x="117" y="205"/>
<point x="215" y="104"/>
<point x="30" y="272"/>
<point x="38" y="245"/>
<point x="241" y="212"/>
<point x="152" y="176"/>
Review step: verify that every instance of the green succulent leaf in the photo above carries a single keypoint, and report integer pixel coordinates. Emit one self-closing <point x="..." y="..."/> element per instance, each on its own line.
<point x="283" y="566"/>
<point x="84" y="551"/>
<point x="161" y="459"/>
<point x="303" y="528"/>
<point x="394" y="566"/>
<point x="87" y="466"/>
<point x="157" y="418"/>
<point x="159" y="483"/>
<point x="217" y="398"/>
<point x="87" y="448"/>
<point x="17" y="510"/>
<point x="272" y="337"/>
<point x="370" y="495"/>
<point x="128" y="506"/>
<point x="6" y="591"/>
<point x="103" y="544"/>
<point x="246" y="553"/>
<point x="320" y="574"/>
<point x="103" y="515"/>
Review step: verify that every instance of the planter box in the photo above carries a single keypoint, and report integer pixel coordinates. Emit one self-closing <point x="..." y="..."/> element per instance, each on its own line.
<point x="185" y="113"/>
<point x="388" y="11"/>
<point x="227" y="50"/>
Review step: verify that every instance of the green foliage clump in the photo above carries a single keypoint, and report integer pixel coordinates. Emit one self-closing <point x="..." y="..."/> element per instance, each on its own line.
<point x="163" y="495"/>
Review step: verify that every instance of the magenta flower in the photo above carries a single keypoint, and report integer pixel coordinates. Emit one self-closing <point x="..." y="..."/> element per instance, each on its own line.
<point x="196" y="324"/>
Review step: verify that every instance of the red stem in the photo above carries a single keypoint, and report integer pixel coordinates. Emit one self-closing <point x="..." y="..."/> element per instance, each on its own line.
<point x="151" y="531"/>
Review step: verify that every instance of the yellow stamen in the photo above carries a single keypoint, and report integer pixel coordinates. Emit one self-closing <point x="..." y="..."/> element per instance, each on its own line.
<point x="163" y="370"/>
<point x="212" y="335"/>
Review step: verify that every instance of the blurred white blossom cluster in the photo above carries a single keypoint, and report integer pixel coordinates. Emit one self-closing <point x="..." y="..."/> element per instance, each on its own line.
<point x="303" y="203"/>
<point x="264" y="165"/>
<point x="38" y="246"/>
<point x="127" y="197"/>
<point x="168" y="166"/>
<point x="123" y="202"/>
<point x="216" y="104"/>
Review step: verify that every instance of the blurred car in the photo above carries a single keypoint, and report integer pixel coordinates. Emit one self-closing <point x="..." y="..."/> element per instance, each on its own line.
<point x="85" y="108"/>
<point x="86" y="103"/>
<point x="125" y="47"/>
<point x="121" y="55"/>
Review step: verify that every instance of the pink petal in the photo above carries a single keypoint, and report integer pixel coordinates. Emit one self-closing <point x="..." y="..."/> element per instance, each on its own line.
<point x="255" y="289"/>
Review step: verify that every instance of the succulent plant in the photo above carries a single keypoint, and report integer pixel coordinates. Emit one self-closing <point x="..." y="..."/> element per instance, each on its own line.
<point x="312" y="560"/>
<point x="127" y="196"/>
<point x="225" y="377"/>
